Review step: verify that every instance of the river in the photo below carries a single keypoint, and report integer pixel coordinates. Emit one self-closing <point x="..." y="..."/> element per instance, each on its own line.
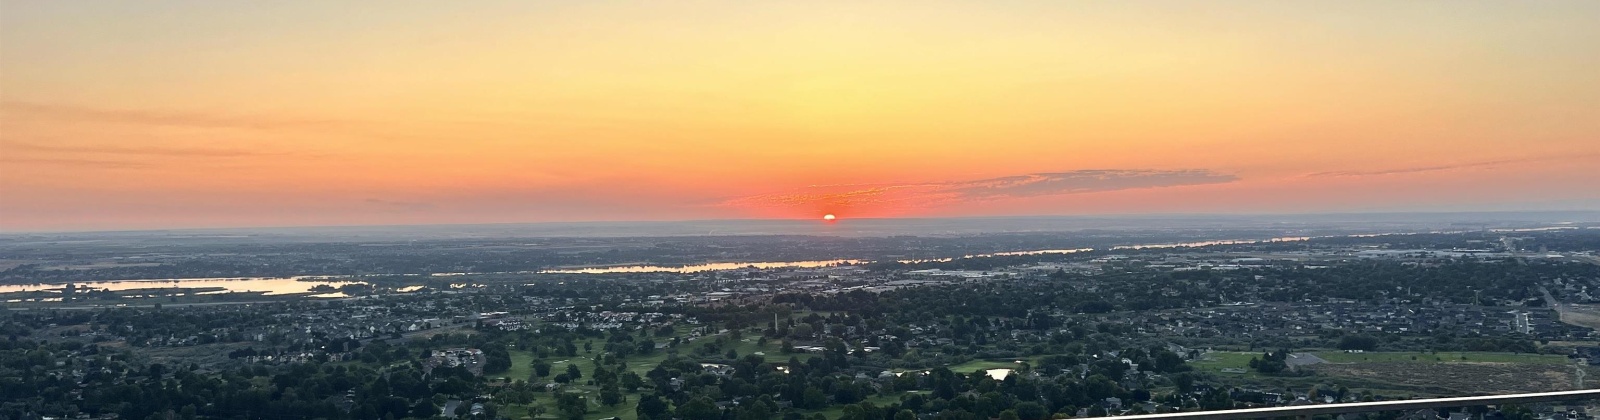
<point x="303" y="284"/>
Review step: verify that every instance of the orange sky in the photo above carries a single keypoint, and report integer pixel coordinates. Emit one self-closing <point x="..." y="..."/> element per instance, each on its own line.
<point x="157" y="114"/>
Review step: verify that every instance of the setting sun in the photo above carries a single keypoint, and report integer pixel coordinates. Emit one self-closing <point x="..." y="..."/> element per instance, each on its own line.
<point x="828" y="217"/>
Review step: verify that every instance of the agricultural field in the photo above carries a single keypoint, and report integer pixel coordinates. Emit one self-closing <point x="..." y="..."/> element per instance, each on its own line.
<point x="1442" y="357"/>
<point x="1423" y="373"/>
<point x="1458" y="378"/>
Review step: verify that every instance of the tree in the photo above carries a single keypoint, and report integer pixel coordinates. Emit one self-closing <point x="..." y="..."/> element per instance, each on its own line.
<point x="631" y="381"/>
<point x="1167" y="362"/>
<point x="515" y="394"/>
<point x="651" y="407"/>
<point x="496" y="360"/>
<point x="1184" y="382"/>
<point x="699" y="408"/>
<point x="904" y="414"/>
<point x="1271" y="362"/>
<point x="801" y="331"/>
<point x="813" y="398"/>
<point x="424" y="408"/>
<point x="1031" y="411"/>
<point x="573" y="405"/>
<point x="1358" y="342"/>
<point x="573" y="372"/>
<point x="541" y="368"/>
<point x="610" y="395"/>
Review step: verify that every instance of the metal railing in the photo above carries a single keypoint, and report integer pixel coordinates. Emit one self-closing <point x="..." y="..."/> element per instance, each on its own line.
<point x="1307" y="411"/>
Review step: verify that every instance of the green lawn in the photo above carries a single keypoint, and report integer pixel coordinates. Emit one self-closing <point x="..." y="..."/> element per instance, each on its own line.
<point x="521" y="366"/>
<point x="975" y="365"/>
<point x="1216" y="361"/>
<point x="772" y="352"/>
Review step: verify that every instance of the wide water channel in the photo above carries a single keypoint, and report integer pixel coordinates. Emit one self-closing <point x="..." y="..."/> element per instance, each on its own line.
<point x="304" y="284"/>
<point x="829" y="263"/>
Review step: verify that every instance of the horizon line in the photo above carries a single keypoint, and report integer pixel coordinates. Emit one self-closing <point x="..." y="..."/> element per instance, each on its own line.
<point x="840" y="220"/>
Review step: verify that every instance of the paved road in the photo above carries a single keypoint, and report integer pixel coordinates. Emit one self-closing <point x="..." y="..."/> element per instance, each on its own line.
<point x="1549" y="299"/>
<point x="1303" y="359"/>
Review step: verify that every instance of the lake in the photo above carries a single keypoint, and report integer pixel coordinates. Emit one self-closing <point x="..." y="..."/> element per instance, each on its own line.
<point x="270" y="286"/>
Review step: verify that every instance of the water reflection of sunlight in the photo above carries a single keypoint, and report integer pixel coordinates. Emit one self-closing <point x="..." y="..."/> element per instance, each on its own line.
<point x="701" y="267"/>
<point x="269" y="286"/>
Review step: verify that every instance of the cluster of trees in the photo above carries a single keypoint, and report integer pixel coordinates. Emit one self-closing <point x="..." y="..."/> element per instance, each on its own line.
<point x="683" y="389"/>
<point x="1271" y="362"/>
<point x="380" y="379"/>
<point x="32" y="385"/>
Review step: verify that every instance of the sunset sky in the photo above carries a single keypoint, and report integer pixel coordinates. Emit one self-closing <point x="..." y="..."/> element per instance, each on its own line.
<point x="208" y="113"/>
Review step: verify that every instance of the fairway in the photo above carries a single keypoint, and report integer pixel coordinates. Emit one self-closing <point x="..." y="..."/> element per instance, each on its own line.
<point x="640" y="364"/>
<point x="975" y="365"/>
<point x="521" y="366"/>
<point x="1216" y="361"/>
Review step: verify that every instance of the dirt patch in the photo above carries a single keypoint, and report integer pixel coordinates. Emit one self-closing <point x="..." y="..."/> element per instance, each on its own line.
<point x="1463" y="378"/>
<point x="207" y="355"/>
<point x="1587" y="316"/>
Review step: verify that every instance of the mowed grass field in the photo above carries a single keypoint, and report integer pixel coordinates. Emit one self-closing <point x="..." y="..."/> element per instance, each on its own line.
<point x="976" y="365"/>
<point x="521" y="366"/>
<point x="1216" y="361"/>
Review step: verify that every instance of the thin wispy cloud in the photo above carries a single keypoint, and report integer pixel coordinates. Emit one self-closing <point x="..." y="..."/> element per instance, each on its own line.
<point x="1008" y="187"/>
<point x="138" y="151"/>
<point x="168" y="118"/>
<point x="83" y="163"/>
<point x="1085" y="181"/>
<point x="1437" y="168"/>
<point x="398" y="205"/>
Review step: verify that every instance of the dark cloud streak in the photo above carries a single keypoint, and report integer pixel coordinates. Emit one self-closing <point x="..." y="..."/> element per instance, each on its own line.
<point x="1085" y="181"/>
<point x="1436" y="168"/>
<point x="1007" y="187"/>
